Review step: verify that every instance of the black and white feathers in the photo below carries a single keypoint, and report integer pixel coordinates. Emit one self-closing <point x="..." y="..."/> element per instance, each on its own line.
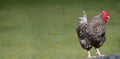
<point x="92" y="33"/>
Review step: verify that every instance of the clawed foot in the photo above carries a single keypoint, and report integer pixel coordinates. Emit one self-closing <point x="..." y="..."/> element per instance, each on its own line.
<point x="99" y="54"/>
<point x="91" y="57"/>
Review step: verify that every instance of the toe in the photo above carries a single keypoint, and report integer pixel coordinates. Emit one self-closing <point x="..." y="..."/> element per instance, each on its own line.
<point x="91" y="57"/>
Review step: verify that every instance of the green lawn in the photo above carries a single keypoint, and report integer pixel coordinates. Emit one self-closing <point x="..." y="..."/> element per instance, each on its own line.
<point x="46" y="29"/>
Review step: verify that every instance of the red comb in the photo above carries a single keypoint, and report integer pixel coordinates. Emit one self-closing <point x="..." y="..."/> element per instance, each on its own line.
<point x="105" y="12"/>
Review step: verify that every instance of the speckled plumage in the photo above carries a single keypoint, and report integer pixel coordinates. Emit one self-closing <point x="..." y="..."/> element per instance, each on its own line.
<point x="92" y="34"/>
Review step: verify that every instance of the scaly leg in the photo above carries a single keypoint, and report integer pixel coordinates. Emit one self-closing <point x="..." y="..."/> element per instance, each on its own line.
<point x="98" y="52"/>
<point x="89" y="55"/>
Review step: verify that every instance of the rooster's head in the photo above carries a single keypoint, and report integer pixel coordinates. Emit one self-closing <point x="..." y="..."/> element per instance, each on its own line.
<point x="105" y="15"/>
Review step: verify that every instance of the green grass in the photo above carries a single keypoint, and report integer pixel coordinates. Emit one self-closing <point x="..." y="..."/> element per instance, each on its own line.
<point x="46" y="29"/>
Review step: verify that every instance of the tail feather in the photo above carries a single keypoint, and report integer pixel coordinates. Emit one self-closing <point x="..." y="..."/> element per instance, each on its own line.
<point x="84" y="14"/>
<point x="83" y="19"/>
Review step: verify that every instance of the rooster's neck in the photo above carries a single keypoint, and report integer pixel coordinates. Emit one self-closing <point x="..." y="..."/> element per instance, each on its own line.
<point x="97" y="19"/>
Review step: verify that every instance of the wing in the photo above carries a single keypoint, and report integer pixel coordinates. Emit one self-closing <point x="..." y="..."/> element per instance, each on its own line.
<point x="96" y="30"/>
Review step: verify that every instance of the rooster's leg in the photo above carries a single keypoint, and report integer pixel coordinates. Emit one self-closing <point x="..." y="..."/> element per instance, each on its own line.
<point x="98" y="52"/>
<point x="89" y="55"/>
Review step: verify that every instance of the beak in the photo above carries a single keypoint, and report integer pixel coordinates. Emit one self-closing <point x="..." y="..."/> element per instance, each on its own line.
<point x="108" y="16"/>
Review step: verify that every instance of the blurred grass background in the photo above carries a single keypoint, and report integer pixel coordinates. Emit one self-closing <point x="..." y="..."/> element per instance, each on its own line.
<point x="45" y="29"/>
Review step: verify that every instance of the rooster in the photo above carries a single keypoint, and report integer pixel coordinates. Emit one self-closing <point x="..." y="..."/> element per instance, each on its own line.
<point x="92" y="33"/>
